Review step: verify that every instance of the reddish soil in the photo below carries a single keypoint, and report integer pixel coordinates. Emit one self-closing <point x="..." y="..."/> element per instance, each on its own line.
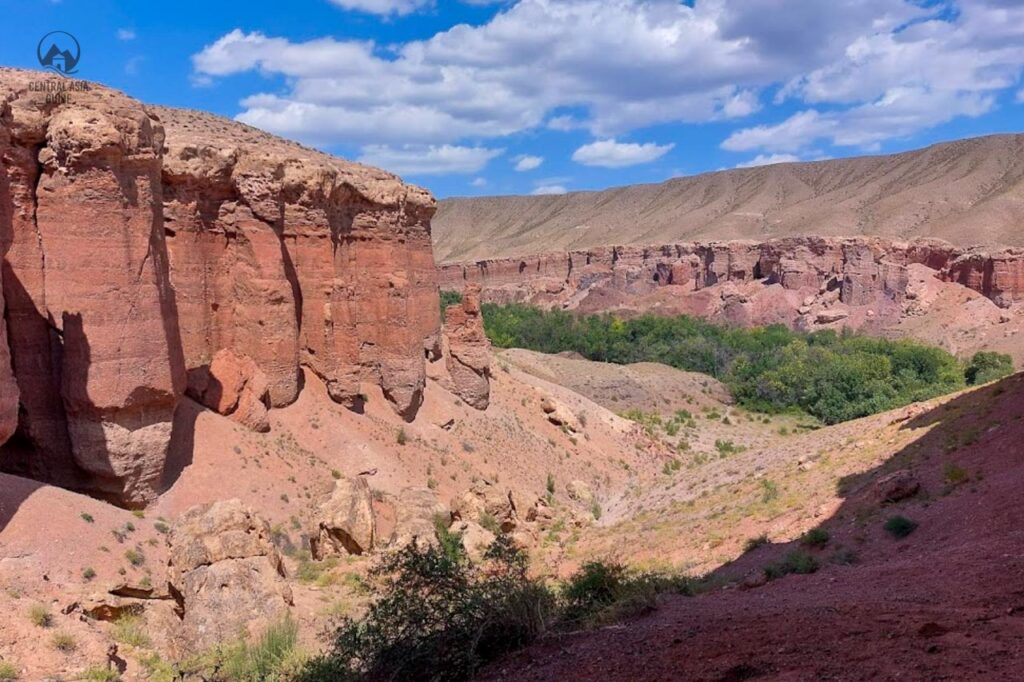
<point x="946" y="603"/>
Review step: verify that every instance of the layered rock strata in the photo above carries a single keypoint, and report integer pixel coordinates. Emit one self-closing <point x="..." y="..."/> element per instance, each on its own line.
<point x="141" y="242"/>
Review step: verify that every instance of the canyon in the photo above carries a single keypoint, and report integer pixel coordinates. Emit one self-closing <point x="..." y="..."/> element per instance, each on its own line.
<point x="963" y="298"/>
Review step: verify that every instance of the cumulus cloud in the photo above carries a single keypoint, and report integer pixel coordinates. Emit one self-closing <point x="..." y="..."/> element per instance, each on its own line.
<point x="526" y="162"/>
<point x="479" y="182"/>
<point x="857" y="72"/>
<point x="428" y="160"/>
<point x="544" y="190"/>
<point x="125" y="34"/>
<point x="612" y="154"/>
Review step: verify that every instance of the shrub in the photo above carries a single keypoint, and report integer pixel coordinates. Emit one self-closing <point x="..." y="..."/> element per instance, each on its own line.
<point x="64" y="641"/>
<point x="769" y="490"/>
<point x="449" y="298"/>
<point x="88" y="573"/>
<point x="87" y="517"/>
<point x="900" y="526"/>
<point x="753" y="543"/>
<point x="816" y="537"/>
<point x="130" y="630"/>
<point x="986" y="366"/>
<point x="263" y="659"/>
<point x="955" y="475"/>
<point x="794" y="562"/>
<point x="402" y="438"/>
<point x="40" y="616"/>
<point x="727" y="447"/>
<point x="99" y="673"/>
<point x="550" y="485"/>
<point x="595" y="509"/>
<point x="438" y="617"/>
<point x="8" y="671"/>
<point x="488" y="522"/>
<point x="135" y="557"/>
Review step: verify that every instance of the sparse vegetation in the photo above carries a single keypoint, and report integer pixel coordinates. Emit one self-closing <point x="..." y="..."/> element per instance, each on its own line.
<point x="88" y="573"/>
<point x="449" y="298"/>
<point x="130" y="630"/>
<point x="956" y="475"/>
<point x="727" y="447"/>
<point x="550" y="485"/>
<point x="794" y="562"/>
<point x="40" y="616"/>
<point x="831" y="376"/>
<point x="753" y="543"/>
<point x="8" y="671"/>
<point x="769" y="490"/>
<point x="64" y="642"/>
<point x="402" y="438"/>
<point x="88" y="518"/>
<point x="135" y="557"/>
<point x="900" y="526"/>
<point x="816" y="537"/>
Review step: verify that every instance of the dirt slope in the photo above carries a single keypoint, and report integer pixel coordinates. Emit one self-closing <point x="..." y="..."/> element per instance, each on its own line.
<point x="944" y="603"/>
<point x="966" y="192"/>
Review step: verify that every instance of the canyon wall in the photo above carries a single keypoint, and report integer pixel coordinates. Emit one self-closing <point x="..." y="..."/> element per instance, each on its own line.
<point x="138" y="242"/>
<point x="859" y="268"/>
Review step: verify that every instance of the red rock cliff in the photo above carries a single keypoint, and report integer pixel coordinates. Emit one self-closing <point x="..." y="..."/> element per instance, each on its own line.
<point x="138" y="242"/>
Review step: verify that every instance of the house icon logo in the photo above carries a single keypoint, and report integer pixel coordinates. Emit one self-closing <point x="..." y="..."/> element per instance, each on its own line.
<point x="59" y="51"/>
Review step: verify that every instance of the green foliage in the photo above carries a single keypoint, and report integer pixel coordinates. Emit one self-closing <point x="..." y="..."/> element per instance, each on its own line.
<point x="549" y="485"/>
<point x="402" y="438"/>
<point x="987" y="366"/>
<point x="816" y="537"/>
<point x="438" y="616"/>
<point x="956" y="475"/>
<point x="98" y="673"/>
<point x="88" y="573"/>
<point x="794" y="562"/>
<point x="135" y="557"/>
<point x="262" y="660"/>
<point x="87" y="517"/>
<point x="769" y="490"/>
<point x="488" y="522"/>
<point x="834" y="377"/>
<point x="900" y="526"/>
<point x="727" y="447"/>
<point x="64" y="641"/>
<point x="449" y="298"/>
<point x="601" y="593"/>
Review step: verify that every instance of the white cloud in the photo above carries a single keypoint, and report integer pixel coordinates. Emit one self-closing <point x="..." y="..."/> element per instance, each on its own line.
<point x="383" y="7"/>
<point x="767" y="160"/>
<point x="125" y="34"/>
<point x="545" y="190"/>
<point x="428" y="160"/>
<point x="859" y="71"/>
<point x="1020" y="96"/>
<point x="612" y="154"/>
<point x="526" y="162"/>
<point x="479" y="182"/>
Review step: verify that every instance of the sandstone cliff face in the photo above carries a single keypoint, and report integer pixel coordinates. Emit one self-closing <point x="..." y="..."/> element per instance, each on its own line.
<point x="860" y="270"/>
<point x="91" y="318"/>
<point x="294" y="257"/>
<point x="140" y="242"/>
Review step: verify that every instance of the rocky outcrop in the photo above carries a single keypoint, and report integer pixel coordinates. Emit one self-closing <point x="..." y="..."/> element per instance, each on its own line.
<point x="143" y="245"/>
<point x="327" y="263"/>
<point x="800" y="281"/>
<point x="467" y="350"/>
<point x="345" y="524"/>
<point x="232" y="386"/>
<point x="90" y="308"/>
<point x="225" y="574"/>
<point x="418" y="511"/>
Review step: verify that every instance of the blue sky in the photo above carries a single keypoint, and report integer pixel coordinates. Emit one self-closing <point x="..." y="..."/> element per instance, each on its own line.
<point x="479" y="97"/>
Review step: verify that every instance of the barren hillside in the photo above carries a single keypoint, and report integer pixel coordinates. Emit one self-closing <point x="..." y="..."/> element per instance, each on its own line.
<point x="968" y="192"/>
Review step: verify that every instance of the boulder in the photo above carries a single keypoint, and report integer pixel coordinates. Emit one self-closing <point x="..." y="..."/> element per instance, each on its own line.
<point x="559" y="415"/>
<point x="486" y="498"/>
<point x="224" y="573"/>
<point x="895" y="487"/>
<point x="475" y="538"/>
<point x="345" y="523"/>
<point x="417" y="513"/>
<point x="579" y="491"/>
<point x="234" y="386"/>
<point x="468" y="350"/>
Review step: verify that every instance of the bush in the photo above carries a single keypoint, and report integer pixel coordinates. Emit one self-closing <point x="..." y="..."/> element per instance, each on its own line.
<point x="64" y="641"/>
<point x="8" y="671"/>
<point x="816" y="537"/>
<point x="402" y="438"/>
<point x="40" y="616"/>
<point x="753" y="543"/>
<point x="438" y="617"/>
<point x="794" y="562"/>
<point x="262" y="660"/>
<point x="834" y="377"/>
<point x="900" y="526"/>
<point x="449" y="298"/>
<point x="129" y="630"/>
<point x="987" y="366"/>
